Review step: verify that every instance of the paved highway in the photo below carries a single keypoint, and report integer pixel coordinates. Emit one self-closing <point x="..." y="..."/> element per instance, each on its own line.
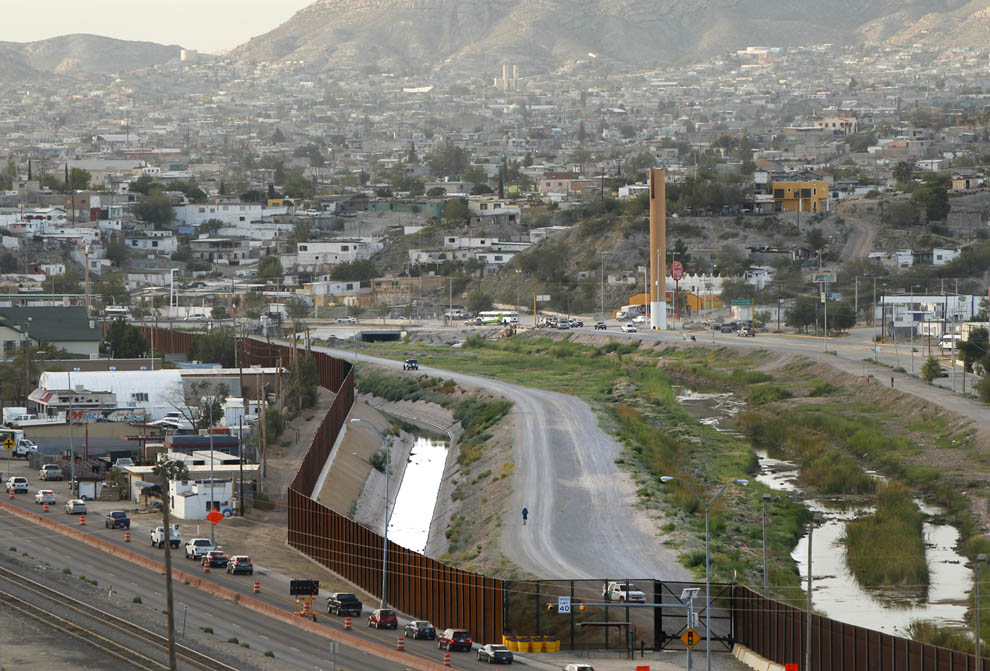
<point x="582" y="523"/>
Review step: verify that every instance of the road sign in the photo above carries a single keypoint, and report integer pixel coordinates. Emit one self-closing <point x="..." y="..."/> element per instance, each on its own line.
<point x="542" y="298"/>
<point x="690" y="638"/>
<point x="790" y="667"/>
<point x="677" y="271"/>
<point x="215" y="516"/>
<point x="8" y="443"/>
<point x="741" y="301"/>
<point x="822" y="297"/>
<point x="824" y="277"/>
<point x="563" y="604"/>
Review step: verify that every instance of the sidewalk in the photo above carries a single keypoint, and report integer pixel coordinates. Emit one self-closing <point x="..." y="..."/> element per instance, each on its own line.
<point x="604" y="661"/>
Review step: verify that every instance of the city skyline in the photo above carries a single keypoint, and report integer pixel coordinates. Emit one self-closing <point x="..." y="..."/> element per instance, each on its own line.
<point x="168" y="22"/>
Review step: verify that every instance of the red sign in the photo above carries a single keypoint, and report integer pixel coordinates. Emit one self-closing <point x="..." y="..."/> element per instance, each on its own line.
<point x="677" y="271"/>
<point x="790" y="667"/>
<point x="214" y="516"/>
<point x="642" y="668"/>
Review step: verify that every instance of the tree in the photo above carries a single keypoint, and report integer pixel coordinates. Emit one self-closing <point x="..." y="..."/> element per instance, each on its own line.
<point x="303" y="383"/>
<point x="269" y="268"/>
<point x="933" y="198"/>
<point x="217" y="346"/>
<point x="904" y="172"/>
<point x="156" y="209"/>
<point x="117" y="251"/>
<point x="210" y="398"/>
<point x="803" y="314"/>
<point x="361" y="270"/>
<point x="930" y="370"/>
<point x="478" y="301"/>
<point x="476" y="175"/>
<point x="975" y="348"/>
<point x="126" y="341"/>
<point x="301" y="231"/>
<point x="456" y="210"/>
<point x="412" y="158"/>
<point x="903" y="214"/>
<point x="218" y="312"/>
<point x="142" y="185"/>
<point x="449" y="161"/>
<point x="815" y="239"/>
<point x="297" y="308"/>
<point x="436" y="192"/>
<point x="78" y="179"/>
<point x="841" y="316"/>
<point x="112" y="289"/>
<point x="211" y="226"/>
<point x="278" y="136"/>
<point x="14" y="387"/>
<point x="298" y="186"/>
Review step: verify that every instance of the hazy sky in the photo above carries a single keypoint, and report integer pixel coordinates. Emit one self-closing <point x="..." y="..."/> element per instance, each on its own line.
<point x="207" y="25"/>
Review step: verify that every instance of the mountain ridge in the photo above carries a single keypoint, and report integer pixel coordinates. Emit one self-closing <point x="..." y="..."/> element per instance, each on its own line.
<point x="81" y="53"/>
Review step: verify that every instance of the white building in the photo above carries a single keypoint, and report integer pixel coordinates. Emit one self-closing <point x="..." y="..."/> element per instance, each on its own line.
<point x="153" y="242"/>
<point x="336" y="251"/>
<point x="759" y="276"/>
<point x="194" y="215"/>
<point x="194" y="499"/>
<point x="912" y="312"/>
<point x="157" y="392"/>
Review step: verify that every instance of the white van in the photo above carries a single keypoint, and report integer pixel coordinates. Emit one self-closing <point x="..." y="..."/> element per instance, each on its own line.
<point x="949" y="342"/>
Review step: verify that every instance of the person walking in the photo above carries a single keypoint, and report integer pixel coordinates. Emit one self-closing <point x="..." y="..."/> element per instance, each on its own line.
<point x="525" y="513"/>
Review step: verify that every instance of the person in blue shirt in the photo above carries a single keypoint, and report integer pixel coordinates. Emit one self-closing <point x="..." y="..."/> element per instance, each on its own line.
<point x="525" y="514"/>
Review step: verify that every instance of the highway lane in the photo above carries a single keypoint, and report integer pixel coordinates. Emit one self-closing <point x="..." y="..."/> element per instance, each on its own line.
<point x="583" y="523"/>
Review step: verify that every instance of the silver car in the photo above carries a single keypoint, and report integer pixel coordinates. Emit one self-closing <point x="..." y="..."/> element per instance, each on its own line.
<point x="75" y="507"/>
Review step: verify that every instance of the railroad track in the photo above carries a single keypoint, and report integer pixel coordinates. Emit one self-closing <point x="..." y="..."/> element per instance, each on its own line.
<point x="137" y="646"/>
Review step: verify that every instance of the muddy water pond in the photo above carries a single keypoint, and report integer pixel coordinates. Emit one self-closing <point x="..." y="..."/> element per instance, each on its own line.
<point x="837" y="594"/>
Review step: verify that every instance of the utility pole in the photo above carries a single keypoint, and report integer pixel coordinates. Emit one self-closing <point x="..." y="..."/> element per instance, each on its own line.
<point x="807" y="652"/>
<point x="603" y="285"/>
<point x="168" y="471"/>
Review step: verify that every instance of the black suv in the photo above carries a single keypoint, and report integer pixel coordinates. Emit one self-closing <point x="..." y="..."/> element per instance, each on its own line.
<point x="343" y="603"/>
<point x="455" y="639"/>
<point x="410" y="364"/>
<point x="117" y="519"/>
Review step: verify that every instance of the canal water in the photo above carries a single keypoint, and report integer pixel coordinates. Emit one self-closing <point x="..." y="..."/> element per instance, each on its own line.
<point x="409" y="522"/>
<point x="837" y="594"/>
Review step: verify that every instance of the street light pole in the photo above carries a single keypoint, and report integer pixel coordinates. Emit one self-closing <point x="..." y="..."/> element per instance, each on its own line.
<point x="385" y="533"/>
<point x="976" y="587"/>
<point x="212" y="495"/>
<point x="73" y="485"/>
<point x="708" y="592"/>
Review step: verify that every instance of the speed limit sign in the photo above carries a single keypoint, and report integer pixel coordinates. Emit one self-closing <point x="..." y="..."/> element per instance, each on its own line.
<point x="563" y="604"/>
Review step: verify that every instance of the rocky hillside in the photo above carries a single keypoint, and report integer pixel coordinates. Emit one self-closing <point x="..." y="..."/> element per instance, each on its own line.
<point x="71" y="54"/>
<point x="411" y="35"/>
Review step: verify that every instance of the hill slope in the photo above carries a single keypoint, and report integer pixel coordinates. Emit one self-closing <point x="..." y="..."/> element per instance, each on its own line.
<point x="547" y="34"/>
<point x="90" y="54"/>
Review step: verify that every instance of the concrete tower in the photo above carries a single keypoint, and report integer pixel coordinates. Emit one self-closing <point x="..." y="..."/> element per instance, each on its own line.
<point x="658" y="248"/>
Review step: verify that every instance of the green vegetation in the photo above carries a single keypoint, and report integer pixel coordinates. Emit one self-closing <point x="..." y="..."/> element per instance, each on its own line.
<point x="887" y="548"/>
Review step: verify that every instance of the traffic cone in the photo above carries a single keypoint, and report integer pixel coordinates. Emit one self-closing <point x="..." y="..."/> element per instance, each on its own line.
<point x="127" y="536"/>
<point x="400" y="643"/>
<point x="45" y="507"/>
<point x="206" y="567"/>
<point x="82" y="520"/>
<point x="446" y="659"/>
<point x="11" y="492"/>
<point x="347" y="622"/>
<point x="257" y="587"/>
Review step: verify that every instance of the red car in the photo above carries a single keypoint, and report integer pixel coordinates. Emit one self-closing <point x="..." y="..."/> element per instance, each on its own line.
<point x="383" y="618"/>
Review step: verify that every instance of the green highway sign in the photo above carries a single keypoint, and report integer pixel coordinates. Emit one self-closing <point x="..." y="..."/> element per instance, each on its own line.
<point x="741" y="301"/>
<point x="824" y="277"/>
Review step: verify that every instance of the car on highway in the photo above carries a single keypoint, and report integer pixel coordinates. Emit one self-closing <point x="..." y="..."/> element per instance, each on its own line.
<point x="347" y="320"/>
<point x="117" y="519"/>
<point x="579" y="667"/>
<point x="639" y="319"/>
<point x="75" y="507"/>
<point x="344" y="603"/>
<point x="726" y="328"/>
<point x="716" y="326"/>
<point x="420" y="629"/>
<point x="563" y="326"/>
<point x="454" y="639"/>
<point x="158" y="536"/>
<point x="628" y="328"/>
<point x="493" y="653"/>
<point x="240" y="564"/>
<point x="17" y="484"/>
<point x="197" y="547"/>
<point x="215" y="559"/>
<point x="601" y="326"/>
<point x="577" y="324"/>
<point x="383" y="618"/>
<point x="410" y="364"/>
<point x="746" y="332"/>
<point x="44" y="496"/>
<point x="942" y="372"/>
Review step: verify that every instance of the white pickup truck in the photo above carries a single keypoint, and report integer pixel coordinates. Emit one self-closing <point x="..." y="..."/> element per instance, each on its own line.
<point x="197" y="547"/>
<point x="621" y="592"/>
<point x="25" y="448"/>
<point x="158" y="536"/>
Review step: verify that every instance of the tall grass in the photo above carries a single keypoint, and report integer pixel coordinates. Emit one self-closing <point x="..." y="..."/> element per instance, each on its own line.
<point x="887" y="548"/>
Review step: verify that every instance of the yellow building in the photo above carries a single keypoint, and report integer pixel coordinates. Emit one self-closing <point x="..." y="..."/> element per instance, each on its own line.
<point x="809" y="196"/>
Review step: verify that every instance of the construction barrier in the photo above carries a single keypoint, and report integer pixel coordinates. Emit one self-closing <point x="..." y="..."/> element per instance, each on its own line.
<point x="400" y="643"/>
<point x="206" y="567"/>
<point x="82" y="520"/>
<point x="127" y="536"/>
<point x="446" y="659"/>
<point x="44" y="508"/>
<point x="11" y="492"/>
<point x="347" y="622"/>
<point x="257" y="587"/>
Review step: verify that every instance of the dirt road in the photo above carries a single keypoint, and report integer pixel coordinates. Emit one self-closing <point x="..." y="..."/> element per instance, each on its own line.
<point x="582" y="517"/>
<point x="860" y="242"/>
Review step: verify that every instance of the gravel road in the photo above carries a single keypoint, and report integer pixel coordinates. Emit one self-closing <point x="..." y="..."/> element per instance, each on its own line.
<point x="582" y="517"/>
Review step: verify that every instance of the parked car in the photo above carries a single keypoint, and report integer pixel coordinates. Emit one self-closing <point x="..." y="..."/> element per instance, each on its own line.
<point x="621" y="592"/>
<point x="75" y="507"/>
<point x="639" y="319"/>
<point x="628" y="328"/>
<point x="383" y="618"/>
<point x="726" y="328"/>
<point x="117" y="519"/>
<point x="420" y="629"/>
<point x="344" y="603"/>
<point x="17" y="484"/>
<point x="50" y="472"/>
<point x="240" y="564"/>
<point x="197" y="547"/>
<point x="215" y="559"/>
<point x="577" y="324"/>
<point x="601" y="326"/>
<point x="455" y="639"/>
<point x="347" y="320"/>
<point x="579" y="667"/>
<point x="123" y="462"/>
<point x="689" y="325"/>
<point x="746" y="332"/>
<point x="410" y="364"/>
<point x="716" y="326"/>
<point x="494" y="653"/>
<point x="563" y="326"/>
<point x="44" y="496"/>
